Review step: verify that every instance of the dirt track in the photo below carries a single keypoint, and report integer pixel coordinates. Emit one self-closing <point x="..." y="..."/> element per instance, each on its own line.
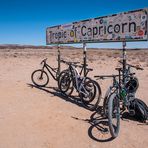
<point x="43" y="118"/>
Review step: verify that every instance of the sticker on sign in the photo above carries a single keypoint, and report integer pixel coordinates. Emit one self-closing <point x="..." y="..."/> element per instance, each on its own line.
<point x="127" y="26"/>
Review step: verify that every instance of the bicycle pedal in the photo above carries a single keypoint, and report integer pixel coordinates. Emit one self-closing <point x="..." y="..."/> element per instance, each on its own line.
<point x="131" y="112"/>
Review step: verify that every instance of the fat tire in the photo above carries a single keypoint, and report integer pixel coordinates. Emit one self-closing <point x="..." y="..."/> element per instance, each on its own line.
<point x="114" y="132"/>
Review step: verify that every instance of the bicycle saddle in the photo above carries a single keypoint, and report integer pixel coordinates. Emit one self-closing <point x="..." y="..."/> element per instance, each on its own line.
<point x="118" y="68"/>
<point x="134" y="66"/>
<point x="69" y="63"/>
<point x="44" y="61"/>
<point x="89" y="69"/>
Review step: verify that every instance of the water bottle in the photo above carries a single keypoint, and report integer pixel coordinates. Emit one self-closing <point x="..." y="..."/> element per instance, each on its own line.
<point x="123" y="95"/>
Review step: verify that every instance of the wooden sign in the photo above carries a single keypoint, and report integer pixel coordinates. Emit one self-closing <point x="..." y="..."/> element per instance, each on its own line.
<point x="127" y="26"/>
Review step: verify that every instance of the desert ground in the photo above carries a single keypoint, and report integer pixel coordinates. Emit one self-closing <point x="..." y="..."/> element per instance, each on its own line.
<point x="43" y="118"/>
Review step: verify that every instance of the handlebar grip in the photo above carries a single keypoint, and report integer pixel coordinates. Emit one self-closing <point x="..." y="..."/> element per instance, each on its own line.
<point x="96" y="76"/>
<point x="136" y="67"/>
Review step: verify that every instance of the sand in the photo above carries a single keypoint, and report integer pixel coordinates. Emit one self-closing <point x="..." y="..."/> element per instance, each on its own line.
<point x="43" y="118"/>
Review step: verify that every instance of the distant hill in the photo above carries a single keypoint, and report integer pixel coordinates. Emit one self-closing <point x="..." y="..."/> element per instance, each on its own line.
<point x="17" y="46"/>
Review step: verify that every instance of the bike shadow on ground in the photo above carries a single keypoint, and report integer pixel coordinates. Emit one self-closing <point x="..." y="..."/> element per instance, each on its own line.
<point x="99" y="128"/>
<point x="127" y="117"/>
<point x="55" y="92"/>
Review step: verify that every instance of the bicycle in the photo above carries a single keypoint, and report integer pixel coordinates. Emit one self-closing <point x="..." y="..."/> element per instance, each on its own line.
<point x="131" y="83"/>
<point x="119" y="92"/>
<point x="68" y="70"/>
<point x="89" y="90"/>
<point x="40" y="77"/>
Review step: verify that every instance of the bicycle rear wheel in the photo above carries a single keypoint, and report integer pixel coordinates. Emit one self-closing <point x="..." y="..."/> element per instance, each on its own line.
<point x="40" y="78"/>
<point x="114" y="115"/>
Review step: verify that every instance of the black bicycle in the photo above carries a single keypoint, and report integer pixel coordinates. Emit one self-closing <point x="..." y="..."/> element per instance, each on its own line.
<point x="40" y="77"/>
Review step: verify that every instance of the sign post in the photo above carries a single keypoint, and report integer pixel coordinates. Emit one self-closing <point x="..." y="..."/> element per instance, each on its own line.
<point x="124" y="61"/>
<point x="59" y="60"/>
<point x="84" y="58"/>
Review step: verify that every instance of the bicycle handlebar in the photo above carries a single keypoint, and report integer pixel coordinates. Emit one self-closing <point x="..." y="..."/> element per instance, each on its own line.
<point x="133" y="66"/>
<point x="75" y="64"/>
<point x="69" y="63"/>
<point x="110" y="76"/>
<point x="106" y="76"/>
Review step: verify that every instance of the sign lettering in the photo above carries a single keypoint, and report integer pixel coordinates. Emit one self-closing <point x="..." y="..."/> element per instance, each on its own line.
<point x="128" y="26"/>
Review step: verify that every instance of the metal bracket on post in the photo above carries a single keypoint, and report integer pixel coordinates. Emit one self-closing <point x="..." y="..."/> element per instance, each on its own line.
<point x="59" y="60"/>
<point x="84" y="58"/>
<point x="124" y="61"/>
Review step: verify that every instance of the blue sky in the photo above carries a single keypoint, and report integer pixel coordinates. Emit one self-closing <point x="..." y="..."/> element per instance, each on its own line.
<point x="25" y="21"/>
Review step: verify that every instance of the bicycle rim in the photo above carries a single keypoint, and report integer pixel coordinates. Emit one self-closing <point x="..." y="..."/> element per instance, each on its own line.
<point x="40" y="78"/>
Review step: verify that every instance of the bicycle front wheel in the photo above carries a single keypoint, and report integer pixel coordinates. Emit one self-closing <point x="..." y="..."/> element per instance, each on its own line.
<point x="40" y="78"/>
<point x="114" y="114"/>
<point x="109" y="92"/>
<point x="60" y="77"/>
<point x="90" y="94"/>
<point x="66" y="84"/>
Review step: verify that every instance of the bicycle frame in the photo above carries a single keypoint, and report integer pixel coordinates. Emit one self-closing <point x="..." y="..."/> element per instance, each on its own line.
<point x="109" y="90"/>
<point x="77" y="84"/>
<point x="49" y="69"/>
<point x="53" y="70"/>
<point x="122" y="93"/>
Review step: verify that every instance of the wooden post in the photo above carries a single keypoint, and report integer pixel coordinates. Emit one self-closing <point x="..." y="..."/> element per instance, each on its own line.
<point x="84" y="58"/>
<point x="124" y="61"/>
<point x="59" y="60"/>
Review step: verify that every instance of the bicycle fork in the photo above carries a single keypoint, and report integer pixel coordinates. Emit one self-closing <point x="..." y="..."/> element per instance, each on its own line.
<point x="42" y="72"/>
